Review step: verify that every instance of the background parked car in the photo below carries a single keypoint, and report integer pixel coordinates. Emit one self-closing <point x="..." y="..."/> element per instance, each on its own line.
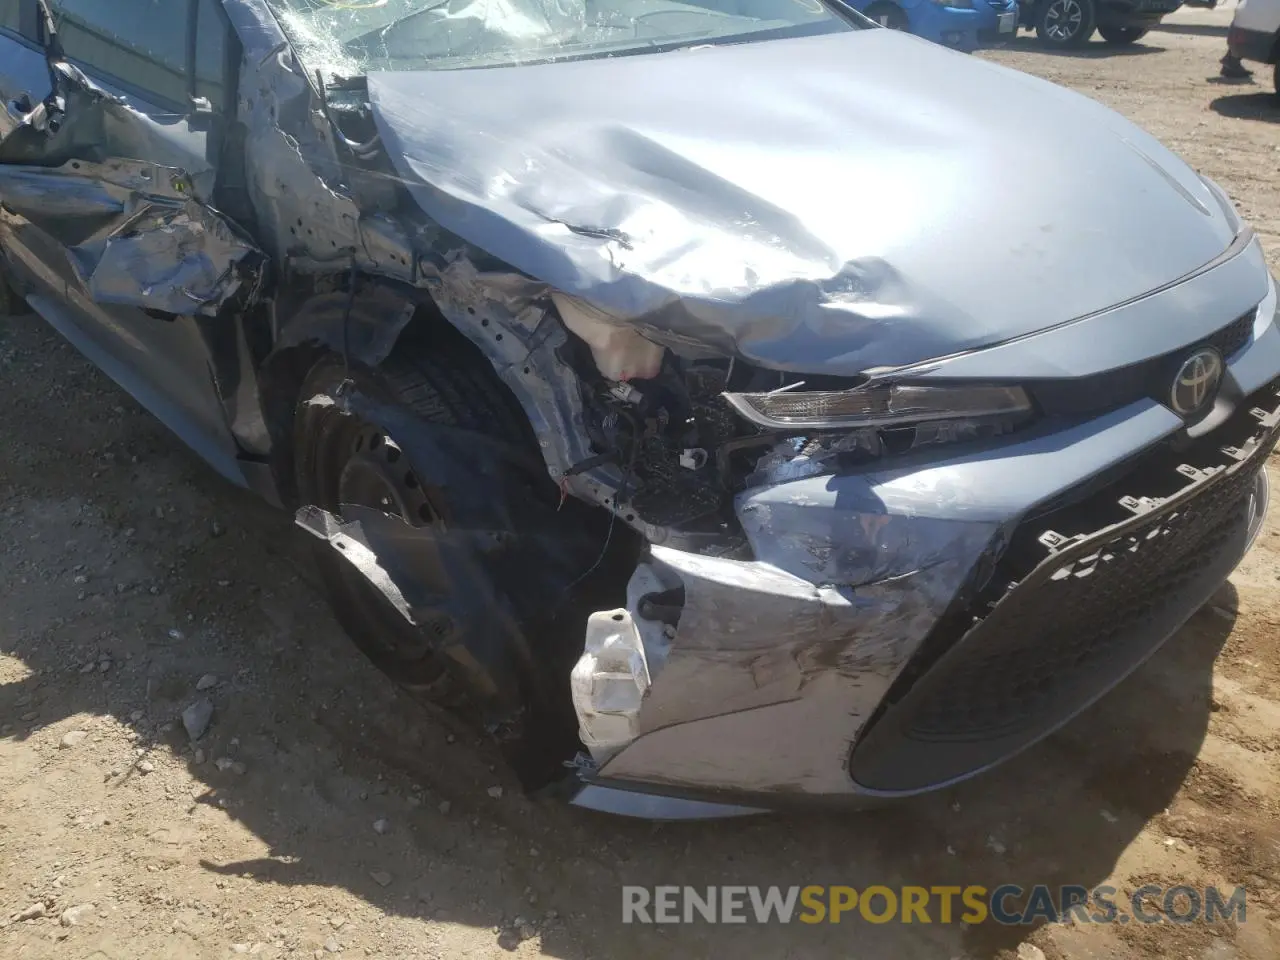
<point x="1255" y="33"/>
<point x="1070" y="23"/>
<point x="959" y="24"/>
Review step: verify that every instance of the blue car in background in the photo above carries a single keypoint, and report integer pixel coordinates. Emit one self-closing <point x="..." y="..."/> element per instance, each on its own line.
<point x="960" y="24"/>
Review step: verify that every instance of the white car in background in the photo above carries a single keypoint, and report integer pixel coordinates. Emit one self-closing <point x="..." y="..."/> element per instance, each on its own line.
<point x="1255" y="34"/>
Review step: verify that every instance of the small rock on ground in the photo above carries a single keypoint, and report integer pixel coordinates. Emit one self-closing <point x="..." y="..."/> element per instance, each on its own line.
<point x="72" y="738"/>
<point x="196" y="718"/>
<point x="73" y="915"/>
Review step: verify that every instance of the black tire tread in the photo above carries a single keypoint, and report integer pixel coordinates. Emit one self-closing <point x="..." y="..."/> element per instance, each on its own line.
<point x="1121" y="36"/>
<point x="456" y="387"/>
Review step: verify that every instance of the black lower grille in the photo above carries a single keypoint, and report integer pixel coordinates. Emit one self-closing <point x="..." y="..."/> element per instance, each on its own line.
<point x="1081" y="596"/>
<point x="1079" y="614"/>
<point x="1233" y="338"/>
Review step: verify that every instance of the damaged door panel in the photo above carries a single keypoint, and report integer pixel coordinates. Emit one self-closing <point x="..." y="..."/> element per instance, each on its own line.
<point x="131" y="234"/>
<point x="127" y="256"/>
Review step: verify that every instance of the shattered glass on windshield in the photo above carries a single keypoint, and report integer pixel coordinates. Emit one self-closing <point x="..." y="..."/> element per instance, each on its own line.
<point x="350" y="37"/>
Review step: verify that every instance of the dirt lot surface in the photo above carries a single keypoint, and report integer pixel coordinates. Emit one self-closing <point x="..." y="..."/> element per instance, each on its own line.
<point x="323" y="811"/>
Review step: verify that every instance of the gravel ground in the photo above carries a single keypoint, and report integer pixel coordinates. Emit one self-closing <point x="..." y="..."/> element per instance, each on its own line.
<point x="323" y="812"/>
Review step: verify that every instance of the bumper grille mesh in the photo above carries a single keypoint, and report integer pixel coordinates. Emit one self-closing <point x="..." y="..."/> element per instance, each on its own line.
<point x="1233" y="338"/>
<point x="1080" y="597"/>
<point x="1079" y="615"/>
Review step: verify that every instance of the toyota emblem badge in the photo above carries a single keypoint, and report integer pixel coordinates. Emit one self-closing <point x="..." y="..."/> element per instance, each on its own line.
<point x="1196" y="383"/>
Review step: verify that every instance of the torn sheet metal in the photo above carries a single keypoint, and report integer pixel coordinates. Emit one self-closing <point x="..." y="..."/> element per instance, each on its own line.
<point x="179" y="260"/>
<point x="850" y="574"/>
<point x="687" y="193"/>
<point x="432" y="579"/>
<point x="134" y="234"/>
<point x="771" y="675"/>
<point x="319" y="215"/>
<point x="316" y="209"/>
<point x="137" y="233"/>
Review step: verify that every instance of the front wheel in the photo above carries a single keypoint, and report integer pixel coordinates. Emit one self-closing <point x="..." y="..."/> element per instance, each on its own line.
<point x="1122" y="36"/>
<point x="888" y="15"/>
<point x="1064" y="24"/>
<point x="499" y="568"/>
<point x="342" y="459"/>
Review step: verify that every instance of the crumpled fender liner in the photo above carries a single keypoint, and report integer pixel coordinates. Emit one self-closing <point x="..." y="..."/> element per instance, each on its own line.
<point x="364" y="327"/>
<point x="409" y="566"/>
<point x="501" y="572"/>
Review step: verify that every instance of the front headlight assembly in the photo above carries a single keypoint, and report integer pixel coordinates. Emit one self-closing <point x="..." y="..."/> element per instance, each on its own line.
<point x="792" y="408"/>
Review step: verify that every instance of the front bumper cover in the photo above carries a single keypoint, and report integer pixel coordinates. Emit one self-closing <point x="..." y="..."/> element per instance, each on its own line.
<point x="807" y="672"/>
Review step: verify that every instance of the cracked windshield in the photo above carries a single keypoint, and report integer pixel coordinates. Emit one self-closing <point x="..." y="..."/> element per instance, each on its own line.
<point x="351" y="37"/>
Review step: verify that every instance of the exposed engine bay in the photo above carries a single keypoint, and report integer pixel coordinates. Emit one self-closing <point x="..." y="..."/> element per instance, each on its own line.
<point x="685" y="450"/>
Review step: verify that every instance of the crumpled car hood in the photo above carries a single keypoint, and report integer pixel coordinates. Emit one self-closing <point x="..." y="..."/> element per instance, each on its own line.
<point x="823" y="205"/>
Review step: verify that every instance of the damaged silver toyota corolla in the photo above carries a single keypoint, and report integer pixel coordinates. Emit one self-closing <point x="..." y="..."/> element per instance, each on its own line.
<point x="721" y="401"/>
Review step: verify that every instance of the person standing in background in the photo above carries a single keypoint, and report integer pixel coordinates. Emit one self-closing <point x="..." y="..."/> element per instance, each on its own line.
<point x="1233" y="69"/>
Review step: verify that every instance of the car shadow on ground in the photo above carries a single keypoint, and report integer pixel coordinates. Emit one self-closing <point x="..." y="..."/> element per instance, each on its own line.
<point x="1255" y="105"/>
<point x="1093" y="50"/>
<point x="1192" y="29"/>
<point x="328" y="746"/>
